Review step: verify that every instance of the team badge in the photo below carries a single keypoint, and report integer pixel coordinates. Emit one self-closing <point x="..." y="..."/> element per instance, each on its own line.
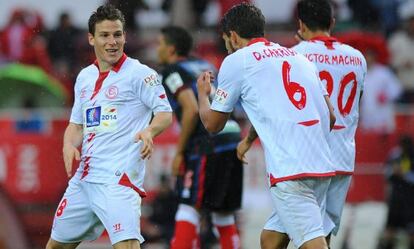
<point x="111" y="92"/>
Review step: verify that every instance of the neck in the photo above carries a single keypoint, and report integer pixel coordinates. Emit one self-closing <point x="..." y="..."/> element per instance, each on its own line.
<point x="312" y="34"/>
<point x="104" y="67"/>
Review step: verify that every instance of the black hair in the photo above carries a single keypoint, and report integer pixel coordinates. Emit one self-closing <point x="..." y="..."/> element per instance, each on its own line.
<point x="179" y="38"/>
<point x="315" y="14"/>
<point x="245" y="19"/>
<point x="105" y="12"/>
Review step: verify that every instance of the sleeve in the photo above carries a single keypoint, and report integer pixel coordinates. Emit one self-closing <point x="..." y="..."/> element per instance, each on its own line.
<point x="175" y="82"/>
<point x="229" y="85"/>
<point x="152" y="93"/>
<point x="76" y="116"/>
<point x="364" y="72"/>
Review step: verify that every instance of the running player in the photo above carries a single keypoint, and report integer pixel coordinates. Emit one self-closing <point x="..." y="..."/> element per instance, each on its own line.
<point x="115" y="98"/>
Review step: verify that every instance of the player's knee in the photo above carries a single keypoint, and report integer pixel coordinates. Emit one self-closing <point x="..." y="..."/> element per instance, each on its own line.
<point x="53" y="244"/>
<point x="317" y="243"/>
<point x="127" y="244"/>
<point x="270" y="240"/>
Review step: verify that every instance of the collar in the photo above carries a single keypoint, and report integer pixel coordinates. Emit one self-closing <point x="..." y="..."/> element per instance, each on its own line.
<point x="117" y="65"/>
<point x="256" y="40"/>
<point x="328" y="40"/>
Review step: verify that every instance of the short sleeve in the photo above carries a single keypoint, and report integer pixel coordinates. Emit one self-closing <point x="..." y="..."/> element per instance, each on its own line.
<point x="229" y="84"/>
<point x="76" y="114"/>
<point x="152" y="93"/>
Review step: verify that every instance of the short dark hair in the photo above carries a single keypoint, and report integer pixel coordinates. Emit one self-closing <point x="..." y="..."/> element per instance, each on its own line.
<point x="245" y="19"/>
<point x="105" y="12"/>
<point x="316" y="14"/>
<point x="179" y="38"/>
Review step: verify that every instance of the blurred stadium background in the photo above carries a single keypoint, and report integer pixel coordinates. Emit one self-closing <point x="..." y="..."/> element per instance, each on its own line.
<point x="43" y="45"/>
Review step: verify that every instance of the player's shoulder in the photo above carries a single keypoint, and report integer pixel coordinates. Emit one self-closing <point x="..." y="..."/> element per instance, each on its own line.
<point x="87" y="75"/>
<point x="138" y="69"/>
<point x="350" y="50"/>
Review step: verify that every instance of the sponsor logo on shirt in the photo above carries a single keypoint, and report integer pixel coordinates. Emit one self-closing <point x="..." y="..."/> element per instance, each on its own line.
<point x="221" y="96"/>
<point x="93" y="116"/>
<point x="83" y="93"/>
<point x="174" y="81"/>
<point x="152" y="80"/>
<point x="111" y="92"/>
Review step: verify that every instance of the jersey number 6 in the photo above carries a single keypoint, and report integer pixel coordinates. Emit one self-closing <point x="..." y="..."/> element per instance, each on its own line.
<point x="294" y="90"/>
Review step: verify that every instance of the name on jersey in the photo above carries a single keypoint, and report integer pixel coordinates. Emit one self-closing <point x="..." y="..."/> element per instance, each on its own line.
<point x="152" y="80"/>
<point x="335" y="59"/>
<point x="221" y="96"/>
<point x="272" y="53"/>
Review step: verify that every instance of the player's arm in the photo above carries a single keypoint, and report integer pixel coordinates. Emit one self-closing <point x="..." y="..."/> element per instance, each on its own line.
<point x="159" y="123"/>
<point x="332" y="117"/>
<point x="213" y="121"/>
<point x="188" y="123"/>
<point x="72" y="139"/>
<point x="245" y="144"/>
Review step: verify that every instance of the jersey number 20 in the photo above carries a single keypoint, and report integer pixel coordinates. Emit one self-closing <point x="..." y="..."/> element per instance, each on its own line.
<point x="349" y="78"/>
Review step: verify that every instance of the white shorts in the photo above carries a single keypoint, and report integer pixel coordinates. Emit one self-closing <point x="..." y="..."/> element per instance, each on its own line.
<point x="299" y="208"/>
<point x="335" y="201"/>
<point x="86" y="209"/>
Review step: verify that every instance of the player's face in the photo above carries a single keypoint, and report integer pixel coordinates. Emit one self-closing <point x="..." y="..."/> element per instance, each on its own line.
<point x="162" y="50"/>
<point x="227" y="41"/>
<point x="108" y="42"/>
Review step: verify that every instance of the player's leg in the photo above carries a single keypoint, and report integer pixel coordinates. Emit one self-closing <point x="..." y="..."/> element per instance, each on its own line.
<point x="127" y="244"/>
<point x="274" y="235"/>
<point x="53" y="244"/>
<point x="335" y="202"/>
<point x="223" y="194"/>
<point x="226" y="226"/>
<point x="190" y="188"/>
<point x="187" y="225"/>
<point x="273" y="240"/>
<point x="119" y="209"/>
<point x="74" y="219"/>
<point x="300" y="207"/>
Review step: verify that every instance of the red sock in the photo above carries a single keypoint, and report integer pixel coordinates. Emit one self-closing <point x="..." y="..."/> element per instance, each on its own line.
<point x="185" y="236"/>
<point x="229" y="238"/>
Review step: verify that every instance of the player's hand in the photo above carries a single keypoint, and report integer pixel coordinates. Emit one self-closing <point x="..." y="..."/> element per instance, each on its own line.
<point x="177" y="164"/>
<point x="242" y="148"/>
<point x="70" y="152"/>
<point x="204" y="82"/>
<point x="147" y="143"/>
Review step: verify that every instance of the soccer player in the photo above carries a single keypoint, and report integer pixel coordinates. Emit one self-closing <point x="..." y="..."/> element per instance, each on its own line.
<point x="283" y="98"/>
<point x="115" y="98"/>
<point x="342" y="68"/>
<point x="209" y="174"/>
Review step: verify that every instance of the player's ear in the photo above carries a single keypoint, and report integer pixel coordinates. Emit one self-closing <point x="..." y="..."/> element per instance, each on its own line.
<point x="91" y="39"/>
<point x="332" y="25"/>
<point x="234" y="39"/>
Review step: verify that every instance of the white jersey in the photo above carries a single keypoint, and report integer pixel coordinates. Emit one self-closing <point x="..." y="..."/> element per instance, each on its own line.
<point x="343" y="69"/>
<point x="113" y="107"/>
<point x="281" y="94"/>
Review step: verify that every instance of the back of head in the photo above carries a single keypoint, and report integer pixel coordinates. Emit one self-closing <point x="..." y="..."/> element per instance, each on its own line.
<point x="179" y="38"/>
<point x="105" y="12"/>
<point x="245" y="19"/>
<point x="315" y="14"/>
